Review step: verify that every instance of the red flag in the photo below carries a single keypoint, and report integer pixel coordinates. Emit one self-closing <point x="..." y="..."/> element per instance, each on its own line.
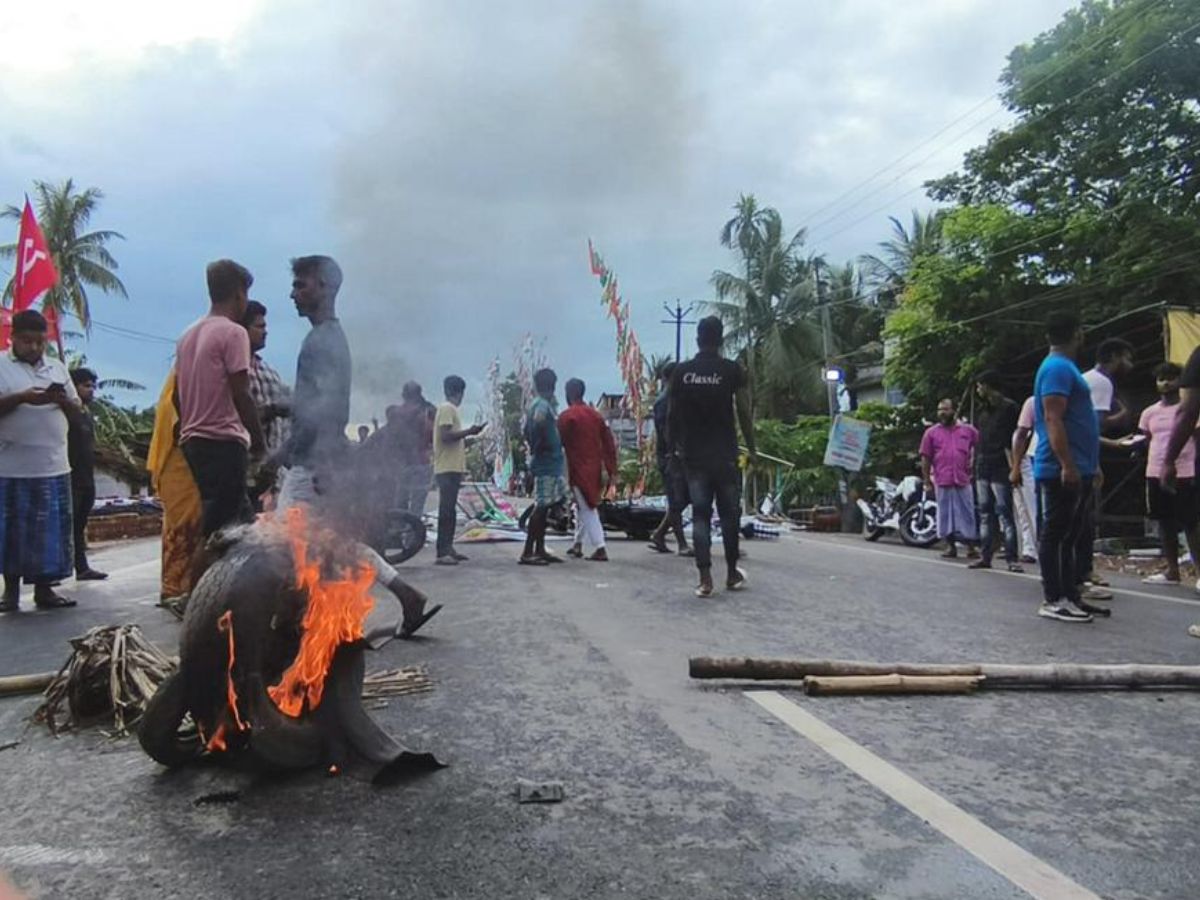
<point x="5" y="327"/>
<point x="35" y="270"/>
<point x="52" y="333"/>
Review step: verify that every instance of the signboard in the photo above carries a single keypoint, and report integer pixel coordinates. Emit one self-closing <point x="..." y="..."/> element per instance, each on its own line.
<point x="847" y="447"/>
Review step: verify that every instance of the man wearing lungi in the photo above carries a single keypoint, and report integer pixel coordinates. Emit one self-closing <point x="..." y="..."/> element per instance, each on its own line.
<point x="947" y="457"/>
<point x="37" y="397"/>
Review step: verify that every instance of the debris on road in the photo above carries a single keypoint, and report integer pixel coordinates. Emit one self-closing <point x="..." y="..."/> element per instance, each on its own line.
<point x="539" y="791"/>
<point x="395" y="683"/>
<point x="11" y="685"/>
<point x="8" y="745"/>
<point x="990" y="675"/>
<point x="891" y="684"/>
<point x="217" y="797"/>
<point x="113" y="670"/>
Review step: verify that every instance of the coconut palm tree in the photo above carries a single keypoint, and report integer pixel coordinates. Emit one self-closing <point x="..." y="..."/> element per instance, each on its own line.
<point x="888" y="274"/>
<point x="80" y="256"/>
<point x="768" y="311"/>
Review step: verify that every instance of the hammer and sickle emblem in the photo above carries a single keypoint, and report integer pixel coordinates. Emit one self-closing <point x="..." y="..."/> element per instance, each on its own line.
<point x="30" y="258"/>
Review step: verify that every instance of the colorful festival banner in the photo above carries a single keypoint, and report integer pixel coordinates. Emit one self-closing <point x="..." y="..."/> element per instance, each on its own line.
<point x="630" y="361"/>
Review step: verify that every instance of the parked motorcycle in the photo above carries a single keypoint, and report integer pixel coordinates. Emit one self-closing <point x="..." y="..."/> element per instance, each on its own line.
<point x="902" y="507"/>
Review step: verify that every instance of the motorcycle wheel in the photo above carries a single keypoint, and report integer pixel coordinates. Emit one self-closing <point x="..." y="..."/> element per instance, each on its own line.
<point x="405" y="535"/>
<point x="918" y="525"/>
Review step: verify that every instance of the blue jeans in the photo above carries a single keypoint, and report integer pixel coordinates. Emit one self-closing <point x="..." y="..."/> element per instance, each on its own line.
<point x="720" y="482"/>
<point x="994" y="502"/>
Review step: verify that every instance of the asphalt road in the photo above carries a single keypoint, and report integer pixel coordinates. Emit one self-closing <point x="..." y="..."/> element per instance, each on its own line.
<point x="674" y="789"/>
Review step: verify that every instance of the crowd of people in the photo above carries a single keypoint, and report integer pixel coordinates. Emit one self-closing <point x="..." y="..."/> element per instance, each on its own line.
<point x="232" y="439"/>
<point x="1031" y="476"/>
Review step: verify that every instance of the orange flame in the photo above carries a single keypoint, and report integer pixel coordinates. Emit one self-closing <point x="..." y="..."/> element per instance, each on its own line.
<point x="225" y="626"/>
<point x="336" y="613"/>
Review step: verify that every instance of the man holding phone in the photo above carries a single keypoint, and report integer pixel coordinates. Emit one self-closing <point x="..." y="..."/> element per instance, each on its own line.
<point x="37" y="400"/>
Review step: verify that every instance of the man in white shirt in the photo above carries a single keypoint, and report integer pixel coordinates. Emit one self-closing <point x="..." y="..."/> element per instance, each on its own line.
<point x="1114" y="359"/>
<point x="37" y="396"/>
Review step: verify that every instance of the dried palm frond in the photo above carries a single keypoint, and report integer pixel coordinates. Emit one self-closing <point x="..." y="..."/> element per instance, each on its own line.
<point x="113" y="670"/>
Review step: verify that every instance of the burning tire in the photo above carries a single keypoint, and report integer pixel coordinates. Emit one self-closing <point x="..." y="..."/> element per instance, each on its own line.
<point x="161" y="730"/>
<point x="247" y="674"/>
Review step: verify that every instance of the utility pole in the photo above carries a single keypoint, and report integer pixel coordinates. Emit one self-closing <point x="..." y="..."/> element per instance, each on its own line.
<point x="831" y="387"/>
<point x="677" y="319"/>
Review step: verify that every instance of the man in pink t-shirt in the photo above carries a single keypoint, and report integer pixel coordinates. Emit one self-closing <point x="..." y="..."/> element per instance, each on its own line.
<point x="218" y="422"/>
<point x="1174" y="511"/>
<point x="947" y="458"/>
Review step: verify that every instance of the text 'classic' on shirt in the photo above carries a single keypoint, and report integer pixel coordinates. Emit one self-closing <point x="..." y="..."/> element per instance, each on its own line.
<point x="208" y="354"/>
<point x="701" y="413"/>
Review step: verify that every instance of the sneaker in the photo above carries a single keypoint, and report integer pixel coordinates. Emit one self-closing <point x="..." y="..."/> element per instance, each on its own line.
<point x="1016" y="568"/>
<point x="1194" y="631"/>
<point x="704" y="589"/>
<point x="1063" y="611"/>
<point x="737" y="581"/>
<point x="1160" y="578"/>
<point x="445" y="561"/>
<point x="1096" y="593"/>
<point x="980" y="564"/>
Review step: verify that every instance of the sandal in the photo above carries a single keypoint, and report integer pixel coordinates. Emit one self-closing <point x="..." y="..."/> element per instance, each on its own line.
<point x="407" y="631"/>
<point x="54" y="601"/>
<point x="658" y="548"/>
<point x="532" y="561"/>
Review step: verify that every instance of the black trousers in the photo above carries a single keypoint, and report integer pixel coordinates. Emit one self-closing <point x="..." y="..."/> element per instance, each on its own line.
<point x="719" y="481"/>
<point x="83" y="498"/>
<point x="1064" y="538"/>
<point x="219" y="468"/>
<point x="448" y="484"/>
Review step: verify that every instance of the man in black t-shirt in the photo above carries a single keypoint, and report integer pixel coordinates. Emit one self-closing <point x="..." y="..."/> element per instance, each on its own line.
<point x="993" y="490"/>
<point x="700" y="421"/>
<point x="81" y="451"/>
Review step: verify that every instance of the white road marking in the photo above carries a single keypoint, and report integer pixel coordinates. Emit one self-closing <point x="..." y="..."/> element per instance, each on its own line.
<point x="1037" y="878"/>
<point x="913" y="557"/>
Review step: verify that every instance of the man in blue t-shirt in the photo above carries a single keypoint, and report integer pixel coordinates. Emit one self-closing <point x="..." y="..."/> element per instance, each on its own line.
<point x="1067" y="458"/>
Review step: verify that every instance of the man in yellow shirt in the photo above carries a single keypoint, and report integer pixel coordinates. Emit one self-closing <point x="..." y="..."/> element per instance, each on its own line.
<point x="449" y="464"/>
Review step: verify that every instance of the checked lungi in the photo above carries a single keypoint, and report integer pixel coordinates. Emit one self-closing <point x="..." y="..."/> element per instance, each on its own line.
<point x="35" y="528"/>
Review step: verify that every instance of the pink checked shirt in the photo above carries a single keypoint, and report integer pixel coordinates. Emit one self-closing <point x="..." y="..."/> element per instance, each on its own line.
<point x="949" y="452"/>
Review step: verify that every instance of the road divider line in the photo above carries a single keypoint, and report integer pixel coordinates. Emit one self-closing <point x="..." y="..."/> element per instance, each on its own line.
<point x="1034" y="876"/>
<point x="914" y="557"/>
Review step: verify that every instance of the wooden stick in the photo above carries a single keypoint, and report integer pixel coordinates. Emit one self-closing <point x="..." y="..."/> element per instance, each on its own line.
<point x="1058" y="675"/>
<point x="891" y="684"/>
<point x="11" y="685"/>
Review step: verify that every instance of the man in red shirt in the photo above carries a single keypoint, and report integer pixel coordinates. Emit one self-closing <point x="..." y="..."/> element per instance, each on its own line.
<point x="218" y="423"/>
<point x="590" y="450"/>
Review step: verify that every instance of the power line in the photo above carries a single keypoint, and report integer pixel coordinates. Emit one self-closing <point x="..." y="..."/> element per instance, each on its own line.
<point x="1023" y="123"/>
<point x="1106" y="32"/>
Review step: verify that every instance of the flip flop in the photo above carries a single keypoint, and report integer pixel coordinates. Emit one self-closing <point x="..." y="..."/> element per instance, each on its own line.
<point x="55" y="602"/>
<point x="407" y="632"/>
<point x="532" y="561"/>
<point x="658" y="548"/>
<point x="552" y="559"/>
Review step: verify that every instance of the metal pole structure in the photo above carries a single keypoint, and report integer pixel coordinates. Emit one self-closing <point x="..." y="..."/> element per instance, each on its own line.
<point x="831" y="392"/>
<point x="677" y="319"/>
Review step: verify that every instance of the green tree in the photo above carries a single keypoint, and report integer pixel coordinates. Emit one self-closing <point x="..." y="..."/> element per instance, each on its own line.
<point x="1101" y="162"/>
<point x="768" y="310"/>
<point x="887" y="273"/>
<point x="80" y="256"/>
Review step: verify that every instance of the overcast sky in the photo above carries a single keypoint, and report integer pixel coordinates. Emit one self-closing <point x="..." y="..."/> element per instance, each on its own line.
<point x="456" y="156"/>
